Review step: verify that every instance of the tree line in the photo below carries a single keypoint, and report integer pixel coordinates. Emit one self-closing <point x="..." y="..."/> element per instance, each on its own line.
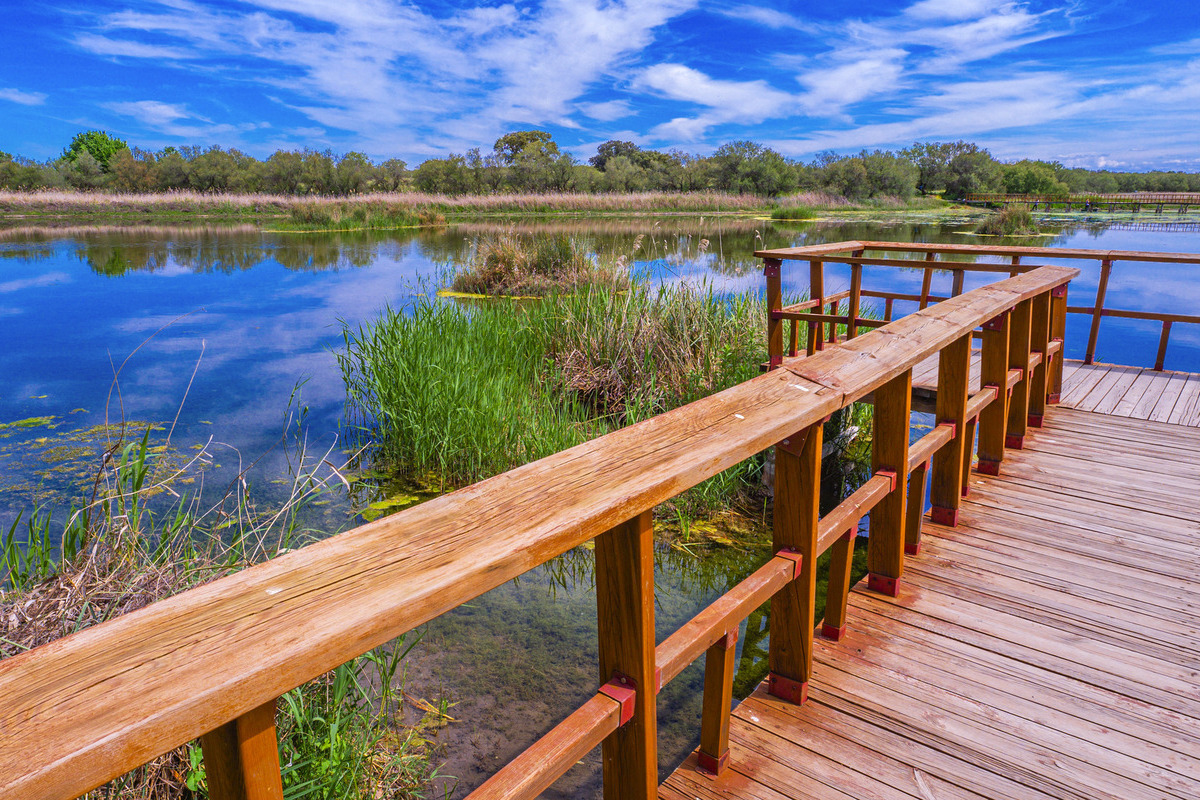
<point x="530" y="161"/>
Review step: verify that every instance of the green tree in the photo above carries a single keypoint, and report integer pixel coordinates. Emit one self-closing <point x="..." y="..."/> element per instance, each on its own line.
<point x="133" y="171"/>
<point x="510" y="145"/>
<point x="932" y="160"/>
<point x="749" y="167"/>
<point x="449" y="175"/>
<point x="972" y="173"/>
<point x="98" y="144"/>
<point x="613" y="149"/>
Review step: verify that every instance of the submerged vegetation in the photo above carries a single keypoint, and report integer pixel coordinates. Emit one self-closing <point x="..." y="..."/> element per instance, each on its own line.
<point x="1012" y="220"/>
<point x="340" y="735"/>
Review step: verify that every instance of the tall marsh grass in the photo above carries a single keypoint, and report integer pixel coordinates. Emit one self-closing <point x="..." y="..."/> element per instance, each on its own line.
<point x="514" y="265"/>
<point x="466" y="391"/>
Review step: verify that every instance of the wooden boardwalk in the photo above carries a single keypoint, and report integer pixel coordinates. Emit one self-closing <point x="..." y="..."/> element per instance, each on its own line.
<point x="1134" y="392"/>
<point x="1047" y="647"/>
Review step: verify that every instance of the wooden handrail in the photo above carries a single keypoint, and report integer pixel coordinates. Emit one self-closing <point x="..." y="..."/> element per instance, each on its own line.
<point x="88" y="708"/>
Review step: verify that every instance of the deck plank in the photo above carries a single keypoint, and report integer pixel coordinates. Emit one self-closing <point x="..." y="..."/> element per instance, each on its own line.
<point x="1046" y="647"/>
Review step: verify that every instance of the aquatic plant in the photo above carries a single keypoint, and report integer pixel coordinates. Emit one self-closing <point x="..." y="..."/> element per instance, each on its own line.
<point x="1012" y="220"/>
<point x="514" y="265"/>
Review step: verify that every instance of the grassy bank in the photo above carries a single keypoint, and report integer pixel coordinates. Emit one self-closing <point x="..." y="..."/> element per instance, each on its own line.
<point x="340" y="736"/>
<point x="464" y="392"/>
<point x="1009" y="221"/>
<point x="513" y="265"/>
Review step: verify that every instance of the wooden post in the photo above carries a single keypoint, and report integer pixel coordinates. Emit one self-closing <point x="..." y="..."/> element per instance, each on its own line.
<point x="718" y="702"/>
<point x="915" y="510"/>
<point x="241" y="758"/>
<point x="855" y="300"/>
<point x="889" y="453"/>
<point x="816" y="291"/>
<point x="887" y="309"/>
<point x="954" y="375"/>
<point x="1016" y="261"/>
<point x="957" y="287"/>
<point x="968" y="452"/>
<point x="1019" y="334"/>
<point x="1058" y="330"/>
<point x="772" y="269"/>
<point x="994" y="374"/>
<point x="837" y="594"/>
<point x="1162" y="345"/>
<point x="1038" y="343"/>
<point x="927" y="280"/>
<point x="794" y="343"/>
<point x="793" y="608"/>
<point x="1105" y="269"/>
<point x="625" y="613"/>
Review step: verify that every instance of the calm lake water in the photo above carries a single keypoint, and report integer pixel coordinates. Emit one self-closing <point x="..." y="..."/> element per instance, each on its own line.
<point x="216" y="327"/>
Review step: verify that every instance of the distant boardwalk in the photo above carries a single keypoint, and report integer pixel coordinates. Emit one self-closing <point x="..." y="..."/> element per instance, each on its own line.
<point x="1128" y="201"/>
<point x="1044" y="648"/>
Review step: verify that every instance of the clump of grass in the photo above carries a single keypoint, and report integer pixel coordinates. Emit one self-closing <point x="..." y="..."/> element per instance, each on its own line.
<point x="793" y="213"/>
<point x="340" y="735"/>
<point x="469" y="391"/>
<point x="1012" y="220"/>
<point x="513" y="265"/>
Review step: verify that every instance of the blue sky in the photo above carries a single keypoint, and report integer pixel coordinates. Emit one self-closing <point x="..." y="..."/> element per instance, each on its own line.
<point x="1113" y="84"/>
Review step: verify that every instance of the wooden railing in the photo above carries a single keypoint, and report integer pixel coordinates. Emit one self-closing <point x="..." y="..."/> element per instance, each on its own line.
<point x="1093" y="201"/>
<point x="211" y="662"/>
<point x="821" y="314"/>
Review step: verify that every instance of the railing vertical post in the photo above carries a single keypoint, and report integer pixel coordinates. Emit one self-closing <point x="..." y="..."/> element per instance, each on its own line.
<point x="915" y="508"/>
<point x="718" y="702"/>
<point x="1019" y="334"/>
<point x="889" y="454"/>
<point x="994" y="374"/>
<point x="927" y="280"/>
<point x="772" y="269"/>
<point x="793" y="608"/>
<point x="956" y="287"/>
<point x="1058" y="330"/>
<point x="816" y="291"/>
<point x="625" y="613"/>
<point x="1039" y="342"/>
<point x="837" y="594"/>
<point x="1098" y="311"/>
<point x="855" y="301"/>
<point x="1162" y="345"/>
<point x="241" y="758"/>
<point x="954" y="375"/>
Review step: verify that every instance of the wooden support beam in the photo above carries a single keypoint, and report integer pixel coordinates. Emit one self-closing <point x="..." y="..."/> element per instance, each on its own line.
<point x="718" y="702"/>
<point x="796" y="525"/>
<point x="1019" y="335"/>
<point x="625" y="613"/>
<point x="1058" y="331"/>
<point x="1097" y="311"/>
<point x="994" y="372"/>
<point x="816" y="291"/>
<point x="889" y="453"/>
<point x="954" y="374"/>
<point x="957" y="287"/>
<point x="855" y="301"/>
<point x="1039" y="346"/>
<point x="837" y="594"/>
<point x="915" y="510"/>
<point x="772" y="269"/>
<point x="927" y="280"/>
<point x="1162" y="346"/>
<point x="241" y="758"/>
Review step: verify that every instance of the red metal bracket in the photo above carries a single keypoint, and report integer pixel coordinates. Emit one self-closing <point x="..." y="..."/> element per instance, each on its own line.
<point x="796" y="558"/>
<point x="710" y="765"/>
<point x="912" y="549"/>
<point x="775" y="362"/>
<point x="945" y="516"/>
<point x="771" y="267"/>
<point x="1054" y="398"/>
<point x="1059" y="291"/>
<point x="792" y="691"/>
<point x="1014" y="442"/>
<point x="987" y="467"/>
<point x="728" y="641"/>
<point x="952" y="425"/>
<point x="883" y="584"/>
<point x="794" y="444"/>
<point x="622" y="689"/>
<point x="832" y="633"/>
<point x="888" y="473"/>
<point x="1035" y="420"/>
<point x="996" y="323"/>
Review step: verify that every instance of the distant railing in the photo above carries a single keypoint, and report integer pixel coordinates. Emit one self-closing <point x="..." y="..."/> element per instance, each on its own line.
<point x="821" y="322"/>
<point x="1091" y="201"/>
<point x="210" y="663"/>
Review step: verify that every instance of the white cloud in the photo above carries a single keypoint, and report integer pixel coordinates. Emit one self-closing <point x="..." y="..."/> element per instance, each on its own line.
<point x="767" y="17"/>
<point x="150" y="112"/>
<point x="952" y="9"/>
<point x="22" y="98"/>
<point x="104" y="46"/>
<point x="608" y="111"/>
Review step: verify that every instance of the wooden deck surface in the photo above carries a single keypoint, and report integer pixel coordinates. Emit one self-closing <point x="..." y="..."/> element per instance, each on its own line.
<point x="1048" y="647"/>
<point x="1135" y="392"/>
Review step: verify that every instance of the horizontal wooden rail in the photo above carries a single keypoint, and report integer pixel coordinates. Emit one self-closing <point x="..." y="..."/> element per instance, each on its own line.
<point x="805" y="253"/>
<point x="851" y="510"/>
<point x="924" y="448"/>
<point x="92" y="706"/>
